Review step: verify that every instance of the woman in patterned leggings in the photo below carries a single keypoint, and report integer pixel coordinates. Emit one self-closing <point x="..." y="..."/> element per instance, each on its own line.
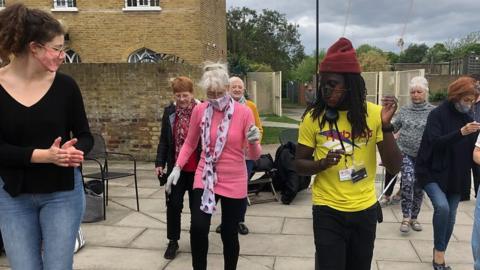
<point x="410" y="123"/>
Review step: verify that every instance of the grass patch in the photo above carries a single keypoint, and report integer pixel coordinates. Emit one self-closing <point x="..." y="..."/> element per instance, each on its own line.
<point x="280" y="119"/>
<point x="271" y="134"/>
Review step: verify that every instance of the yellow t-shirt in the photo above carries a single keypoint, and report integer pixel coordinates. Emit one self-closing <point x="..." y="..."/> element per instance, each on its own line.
<point x="328" y="189"/>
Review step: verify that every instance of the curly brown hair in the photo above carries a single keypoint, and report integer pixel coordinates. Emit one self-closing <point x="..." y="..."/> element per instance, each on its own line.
<point x="20" y="25"/>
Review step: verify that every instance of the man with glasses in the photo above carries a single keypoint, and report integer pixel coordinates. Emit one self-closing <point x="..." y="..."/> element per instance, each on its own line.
<point x="342" y="131"/>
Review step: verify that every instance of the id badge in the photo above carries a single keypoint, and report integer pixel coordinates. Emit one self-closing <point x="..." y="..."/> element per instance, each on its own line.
<point x="359" y="172"/>
<point x="345" y="174"/>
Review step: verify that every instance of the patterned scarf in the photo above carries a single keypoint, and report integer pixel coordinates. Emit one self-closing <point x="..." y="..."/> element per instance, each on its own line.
<point x="182" y="118"/>
<point x="209" y="175"/>
<point x="242" y="100"/>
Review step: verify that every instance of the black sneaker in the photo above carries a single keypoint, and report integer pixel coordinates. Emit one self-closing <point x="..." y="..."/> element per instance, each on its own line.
<point x="171" y="251"/>
<point x="242" y="228"/>
<point x="219" y="229"/>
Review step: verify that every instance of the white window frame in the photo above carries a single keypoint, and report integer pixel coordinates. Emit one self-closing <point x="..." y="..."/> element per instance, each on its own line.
<point x="57" y="7"/>
<point x="143" y="55"/>
<point x="71" y="57"/>
<point x="140" y="7"/>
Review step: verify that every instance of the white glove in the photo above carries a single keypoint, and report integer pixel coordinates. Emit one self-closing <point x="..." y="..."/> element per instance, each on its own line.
<point x="253" y="134"/>
<point x="172" y="179"/>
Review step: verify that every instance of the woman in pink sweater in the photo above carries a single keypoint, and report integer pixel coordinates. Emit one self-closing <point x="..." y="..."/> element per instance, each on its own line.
<point x="227" y="129"/>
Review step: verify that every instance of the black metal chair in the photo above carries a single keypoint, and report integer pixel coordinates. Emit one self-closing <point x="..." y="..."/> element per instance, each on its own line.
<point x="100" y="156"/>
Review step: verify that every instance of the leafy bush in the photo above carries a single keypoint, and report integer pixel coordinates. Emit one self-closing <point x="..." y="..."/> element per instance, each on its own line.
<point x="438" y="96"/>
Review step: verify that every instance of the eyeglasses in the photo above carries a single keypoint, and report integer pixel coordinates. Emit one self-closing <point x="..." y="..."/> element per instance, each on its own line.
<point x="327" y="91"/>
<point x="59" y="50"/>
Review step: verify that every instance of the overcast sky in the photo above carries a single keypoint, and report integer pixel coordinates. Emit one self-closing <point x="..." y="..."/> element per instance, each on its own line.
<point x="376" y="22"/>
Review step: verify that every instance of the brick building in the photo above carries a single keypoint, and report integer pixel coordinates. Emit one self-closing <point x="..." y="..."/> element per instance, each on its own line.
<point x="119" y="31"/>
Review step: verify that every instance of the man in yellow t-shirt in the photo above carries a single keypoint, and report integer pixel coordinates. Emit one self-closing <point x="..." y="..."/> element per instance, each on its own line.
<point x="342" y="131"/>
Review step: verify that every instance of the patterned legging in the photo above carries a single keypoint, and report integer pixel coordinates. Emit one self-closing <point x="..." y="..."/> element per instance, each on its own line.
<point x="412" y="195"/>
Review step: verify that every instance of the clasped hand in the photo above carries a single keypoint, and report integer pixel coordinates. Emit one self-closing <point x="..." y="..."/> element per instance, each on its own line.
<point x="66" y="155"/>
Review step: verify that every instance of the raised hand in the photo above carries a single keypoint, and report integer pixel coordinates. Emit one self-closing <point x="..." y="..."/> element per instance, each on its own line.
<point x="389" y="108"/>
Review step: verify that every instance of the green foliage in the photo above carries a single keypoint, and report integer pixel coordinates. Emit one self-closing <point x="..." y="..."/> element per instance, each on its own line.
<point x="373" y="60"/>
<point x="463" y="46"/>
<point x="305" y="71"/>
<point x="436" y="54"/>
<point x="261" y="40"/>
<point x="364" y="48"/>
<point x="414" y="53"/>
<point x="438" y="96"/>
<point x="392" y="57"/>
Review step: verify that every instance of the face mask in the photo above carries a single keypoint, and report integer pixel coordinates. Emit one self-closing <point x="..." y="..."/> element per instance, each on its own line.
<point x="463" y="108"/>
<point x="219" y="103"/>
<point x="49" y="62"/>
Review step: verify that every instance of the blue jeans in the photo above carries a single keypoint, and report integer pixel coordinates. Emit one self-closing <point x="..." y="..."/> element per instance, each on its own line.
<point x="444" y="214"/>
<point x="52" y="219"/>
<point x="476" y="235"/>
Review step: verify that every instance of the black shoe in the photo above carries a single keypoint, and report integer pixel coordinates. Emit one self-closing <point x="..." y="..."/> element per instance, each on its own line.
<point x="242" y="228"/>
<point x="171" y="251"/>
<point x="219" y="229"/>
<point x="438" y="266"/>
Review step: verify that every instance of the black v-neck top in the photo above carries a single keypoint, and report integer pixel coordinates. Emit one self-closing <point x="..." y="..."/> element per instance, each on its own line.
<point x="60" y="112"/>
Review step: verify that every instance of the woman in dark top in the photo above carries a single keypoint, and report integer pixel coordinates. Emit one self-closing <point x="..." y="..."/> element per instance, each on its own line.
<point x="175" y="121"/>
<point x="445" y="158"/>
<point x="41" y="195"/>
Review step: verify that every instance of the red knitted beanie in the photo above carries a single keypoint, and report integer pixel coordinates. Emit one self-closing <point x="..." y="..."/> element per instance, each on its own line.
<point x="341" y="58"/>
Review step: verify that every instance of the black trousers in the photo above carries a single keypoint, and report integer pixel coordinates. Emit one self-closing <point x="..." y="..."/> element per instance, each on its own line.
<point x="232" y="210"/>
<point x="344" y="240"/>
<point x="174" y="203"/>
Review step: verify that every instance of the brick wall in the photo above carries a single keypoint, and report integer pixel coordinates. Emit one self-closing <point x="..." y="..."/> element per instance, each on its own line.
<point x="101" y="32"/>
<point x="124" y="102"/>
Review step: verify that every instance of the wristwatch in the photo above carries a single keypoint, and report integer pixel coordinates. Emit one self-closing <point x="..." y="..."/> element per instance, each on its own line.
<point x="388" y="128"/>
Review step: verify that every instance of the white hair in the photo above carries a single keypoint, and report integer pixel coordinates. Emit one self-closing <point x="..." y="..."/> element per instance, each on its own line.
<point x="418" y="82"/>
<point x="215" y="76"/>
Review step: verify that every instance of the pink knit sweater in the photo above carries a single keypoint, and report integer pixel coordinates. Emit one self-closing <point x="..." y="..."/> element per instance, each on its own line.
<point x="231" y="168"/>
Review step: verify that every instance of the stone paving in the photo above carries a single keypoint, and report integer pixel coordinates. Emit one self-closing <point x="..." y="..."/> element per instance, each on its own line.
<point x="280" y="235"/>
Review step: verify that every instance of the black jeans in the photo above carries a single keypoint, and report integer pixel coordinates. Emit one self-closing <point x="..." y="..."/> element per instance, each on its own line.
<point x="344" y="240"/>
<point x="232" y="210"/>
<point x="174" y="203"/>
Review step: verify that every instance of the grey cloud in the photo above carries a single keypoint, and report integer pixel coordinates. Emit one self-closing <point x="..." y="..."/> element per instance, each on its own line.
<point x="376" y="22"/>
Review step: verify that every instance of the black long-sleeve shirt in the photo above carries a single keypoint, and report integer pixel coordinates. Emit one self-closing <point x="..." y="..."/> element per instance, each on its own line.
<point x="445" y="155"/>
<point x="59" y="113"/>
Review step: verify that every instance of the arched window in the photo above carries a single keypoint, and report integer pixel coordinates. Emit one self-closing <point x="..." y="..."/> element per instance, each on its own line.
<point x="143" y="55"/>
<point x="72" y="57"/>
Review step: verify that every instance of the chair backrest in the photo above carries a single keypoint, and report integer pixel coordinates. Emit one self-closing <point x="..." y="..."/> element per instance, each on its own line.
<point x="99" y="149"/>
<point x="288" y="135"/>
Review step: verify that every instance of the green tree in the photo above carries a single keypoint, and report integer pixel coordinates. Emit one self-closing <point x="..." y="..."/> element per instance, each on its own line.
<point x="436" y="54"/>
<point x="364" y="48"/>
<point x="265" y="38"/>
<point x="305" y="71"/>
<point x="414" y="53"/>
<point x="463" y="46"/>
<point x="373" y="60"/>
<point x="392" y="57"/>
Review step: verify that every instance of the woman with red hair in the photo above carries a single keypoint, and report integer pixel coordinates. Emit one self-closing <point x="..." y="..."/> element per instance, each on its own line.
<point x="445" y="159"/>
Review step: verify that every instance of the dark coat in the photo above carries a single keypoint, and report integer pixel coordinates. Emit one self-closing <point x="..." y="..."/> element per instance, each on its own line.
<point x="166" y="146"/>
<point x="445" y="155"/>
